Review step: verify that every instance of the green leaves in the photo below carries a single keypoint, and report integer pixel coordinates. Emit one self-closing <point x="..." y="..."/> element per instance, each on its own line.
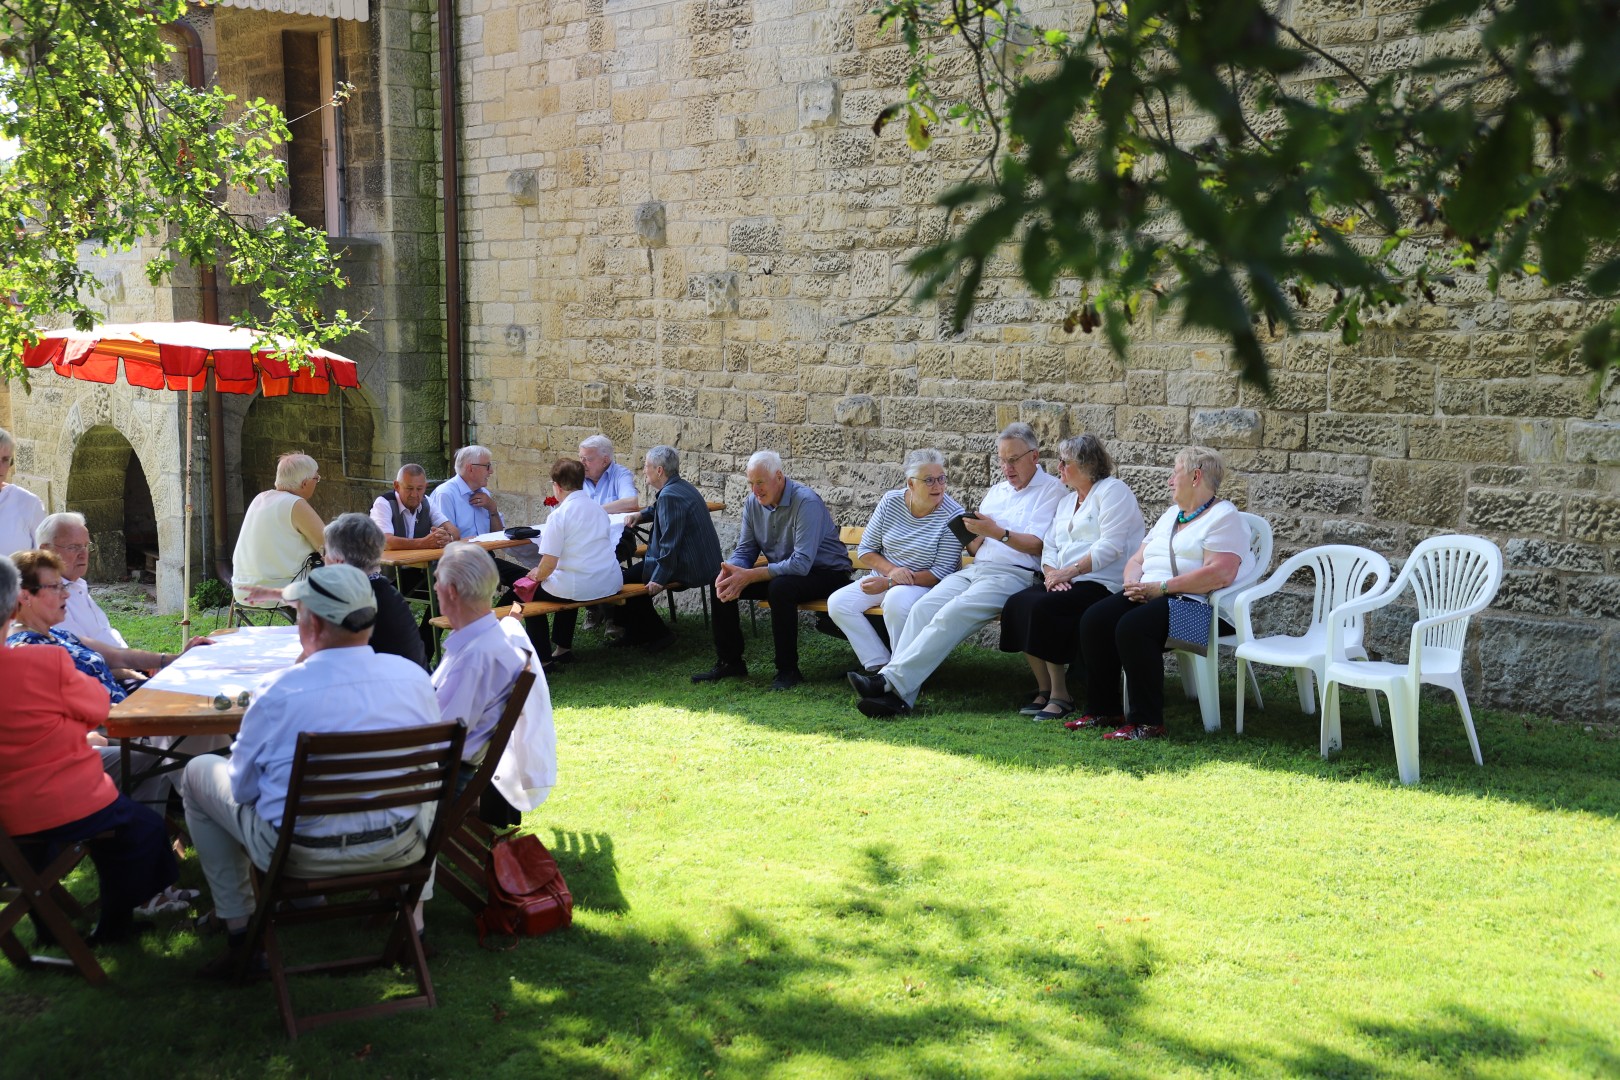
<point x="114" y="159"/>
<point x="1493" y="179"/>
<point x="1173" y="148"/>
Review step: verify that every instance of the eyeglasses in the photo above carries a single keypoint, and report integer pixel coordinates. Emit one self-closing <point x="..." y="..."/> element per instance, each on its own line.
<point x="1007" y="463"/>
<point x="59" y="587"/>
<point x="481" y="465"/>
<point x="74" y="549"/>
<point x="316" y="478"/>
<point x="931" y="481"/>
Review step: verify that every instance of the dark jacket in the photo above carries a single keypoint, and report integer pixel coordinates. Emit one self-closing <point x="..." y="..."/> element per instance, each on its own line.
<point x="395" y="629"/>
<point x="683" y="546"/>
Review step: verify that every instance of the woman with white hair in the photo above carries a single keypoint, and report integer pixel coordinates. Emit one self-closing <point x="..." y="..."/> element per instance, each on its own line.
<point x="20" y="509"/>
<point x="280" y="531"/>
<point x="908" y="548"/>
<point x="1198" y="545"/>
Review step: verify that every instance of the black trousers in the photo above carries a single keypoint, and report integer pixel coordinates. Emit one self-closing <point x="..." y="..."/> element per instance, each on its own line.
<point x="785" y="593"/>
<point x="129" y="845"/>
<point x="1118" y="634"/>
<point x="637" y="615"/>
<point x="1047" y="624"/>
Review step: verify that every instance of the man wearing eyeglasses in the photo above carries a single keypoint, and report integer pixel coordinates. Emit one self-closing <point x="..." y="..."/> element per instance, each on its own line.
<point x="465" y="502"/>
<point x="68" y="537"/>
<point x="1006" y="554"/>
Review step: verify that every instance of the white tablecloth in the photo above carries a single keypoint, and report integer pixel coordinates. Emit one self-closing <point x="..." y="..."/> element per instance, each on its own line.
<point x="235" y="662"/>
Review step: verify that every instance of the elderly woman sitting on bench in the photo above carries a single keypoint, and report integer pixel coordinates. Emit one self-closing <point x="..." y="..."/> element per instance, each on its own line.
<point x="576" y="560"/>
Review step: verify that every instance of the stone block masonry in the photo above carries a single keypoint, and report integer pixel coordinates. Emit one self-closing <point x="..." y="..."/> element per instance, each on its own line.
<point x="751" y="309"/>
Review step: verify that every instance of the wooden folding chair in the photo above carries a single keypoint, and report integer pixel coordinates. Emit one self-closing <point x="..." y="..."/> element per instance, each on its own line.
<point x="467" y="838"/>
<point x="344" y="774"/>
<point x="41" y="892"/>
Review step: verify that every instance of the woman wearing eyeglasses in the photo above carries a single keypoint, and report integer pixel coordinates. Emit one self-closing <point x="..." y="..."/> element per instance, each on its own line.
<point x="907" y="548"/>
<point x="280" y="530"/>
<point x="1097" y="526"/>
<point x="41" y="605"/>
<point x="1200" y="544"/>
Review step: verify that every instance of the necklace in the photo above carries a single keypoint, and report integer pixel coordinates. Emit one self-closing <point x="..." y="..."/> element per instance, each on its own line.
<point x="1182" y="517"/>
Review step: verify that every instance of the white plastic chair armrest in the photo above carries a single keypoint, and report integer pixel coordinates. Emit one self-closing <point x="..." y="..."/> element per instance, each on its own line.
<point x="1259" y="591"/>
<point x="1414" y="651"/>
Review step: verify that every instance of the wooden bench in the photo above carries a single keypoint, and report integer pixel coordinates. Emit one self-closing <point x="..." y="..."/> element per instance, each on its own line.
<point x="551" y="607"/>
<point x="850" y="536"/>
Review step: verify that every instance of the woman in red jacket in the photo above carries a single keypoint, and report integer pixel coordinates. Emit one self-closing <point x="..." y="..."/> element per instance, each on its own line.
<point x="52" y="787"/>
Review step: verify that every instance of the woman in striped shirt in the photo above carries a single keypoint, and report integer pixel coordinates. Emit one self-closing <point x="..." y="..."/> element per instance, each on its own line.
<point x="908" y="548"/>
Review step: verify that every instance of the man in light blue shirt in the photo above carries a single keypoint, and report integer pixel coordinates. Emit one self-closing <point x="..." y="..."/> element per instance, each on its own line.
<point x="234" y="805"/>
<point x="607" y="483"/>
<point x="464" y="500"/>
<point x="789" y="525"/>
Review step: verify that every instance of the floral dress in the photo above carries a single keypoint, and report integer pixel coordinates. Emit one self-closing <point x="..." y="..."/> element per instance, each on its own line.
<point x="85" y="658"/>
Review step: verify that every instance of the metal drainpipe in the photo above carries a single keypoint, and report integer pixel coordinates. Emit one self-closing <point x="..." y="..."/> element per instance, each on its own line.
<point x="209" y="283"/>
<point x="449" y="138"/>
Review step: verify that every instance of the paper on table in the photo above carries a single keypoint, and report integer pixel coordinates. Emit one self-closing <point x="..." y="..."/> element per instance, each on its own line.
<point x="235" y="662"/>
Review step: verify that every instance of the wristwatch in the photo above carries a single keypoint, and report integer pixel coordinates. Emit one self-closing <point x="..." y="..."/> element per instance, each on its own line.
<point x="1006" y="536"/>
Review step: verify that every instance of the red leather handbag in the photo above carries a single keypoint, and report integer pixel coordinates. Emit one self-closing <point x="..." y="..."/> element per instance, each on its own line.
<point x="527" y="894"/>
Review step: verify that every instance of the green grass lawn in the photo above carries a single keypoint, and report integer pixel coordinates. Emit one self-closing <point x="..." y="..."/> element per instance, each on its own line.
<point x="773" y="885"/>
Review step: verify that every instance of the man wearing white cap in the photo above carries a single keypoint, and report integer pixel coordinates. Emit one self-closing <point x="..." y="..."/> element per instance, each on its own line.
<point x="234" y="806"/>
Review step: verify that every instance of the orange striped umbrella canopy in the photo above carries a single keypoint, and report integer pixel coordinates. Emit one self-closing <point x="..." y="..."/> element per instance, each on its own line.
<point x="179" y="355"/>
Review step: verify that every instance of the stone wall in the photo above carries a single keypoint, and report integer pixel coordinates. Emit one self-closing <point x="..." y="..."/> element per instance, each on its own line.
<point x="676" y="210"/>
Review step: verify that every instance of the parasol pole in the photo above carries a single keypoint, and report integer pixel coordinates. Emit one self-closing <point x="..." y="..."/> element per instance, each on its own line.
<point x="185" y="581"/>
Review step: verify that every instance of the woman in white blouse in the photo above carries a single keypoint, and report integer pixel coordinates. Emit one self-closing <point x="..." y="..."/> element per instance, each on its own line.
<point x="1096" y="528"/>
<point x="1200" y="544"/>
<point x="576" y="560"/>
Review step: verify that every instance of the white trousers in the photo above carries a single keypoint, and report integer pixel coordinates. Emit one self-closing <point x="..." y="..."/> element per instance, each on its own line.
<point x="847" y="608"/>
<point x="945" y="617"/>
<point x="227" y="835"/>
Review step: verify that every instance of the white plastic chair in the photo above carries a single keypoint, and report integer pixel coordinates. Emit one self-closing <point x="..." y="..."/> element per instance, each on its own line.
<point x="1451" y="578"/>
<point x="1203" y="671"/>
<point x="1342" y="573"/>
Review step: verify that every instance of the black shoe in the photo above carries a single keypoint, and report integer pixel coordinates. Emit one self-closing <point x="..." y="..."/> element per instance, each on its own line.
<point x="867" y="686"/>
<point x="723" y="670"/>
<point x="658" y="644"/>
<point x="883" y="706"/>
<point x="787" y="680"/>
<point x="120" y="932"/>
<point x="825" y="625"/>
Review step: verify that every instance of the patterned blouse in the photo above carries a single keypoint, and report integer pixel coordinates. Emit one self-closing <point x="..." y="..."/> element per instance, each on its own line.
<point x="85" y="658"/>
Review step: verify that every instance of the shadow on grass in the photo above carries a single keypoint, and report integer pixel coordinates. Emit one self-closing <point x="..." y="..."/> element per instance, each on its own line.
<point x="750" y="998"/>
<point x="946" y="996"/>
<point x="968" y="708"/>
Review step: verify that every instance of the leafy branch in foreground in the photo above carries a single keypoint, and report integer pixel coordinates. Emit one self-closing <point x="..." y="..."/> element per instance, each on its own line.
<point x="111" y="157"/>
<point x="1205" y="153"/>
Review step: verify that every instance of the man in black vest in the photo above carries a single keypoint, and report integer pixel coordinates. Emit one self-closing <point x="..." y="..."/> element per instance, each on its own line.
<point x="407" y="518"/>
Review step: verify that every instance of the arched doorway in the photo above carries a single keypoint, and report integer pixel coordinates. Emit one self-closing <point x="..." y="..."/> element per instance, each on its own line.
<point x="107" y="484"/>
<point x="338" y="430"/>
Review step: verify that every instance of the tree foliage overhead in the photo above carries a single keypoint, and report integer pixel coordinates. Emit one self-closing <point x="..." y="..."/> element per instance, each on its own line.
<point x="112" y="156"/>
<point x="1207" y="153"/>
